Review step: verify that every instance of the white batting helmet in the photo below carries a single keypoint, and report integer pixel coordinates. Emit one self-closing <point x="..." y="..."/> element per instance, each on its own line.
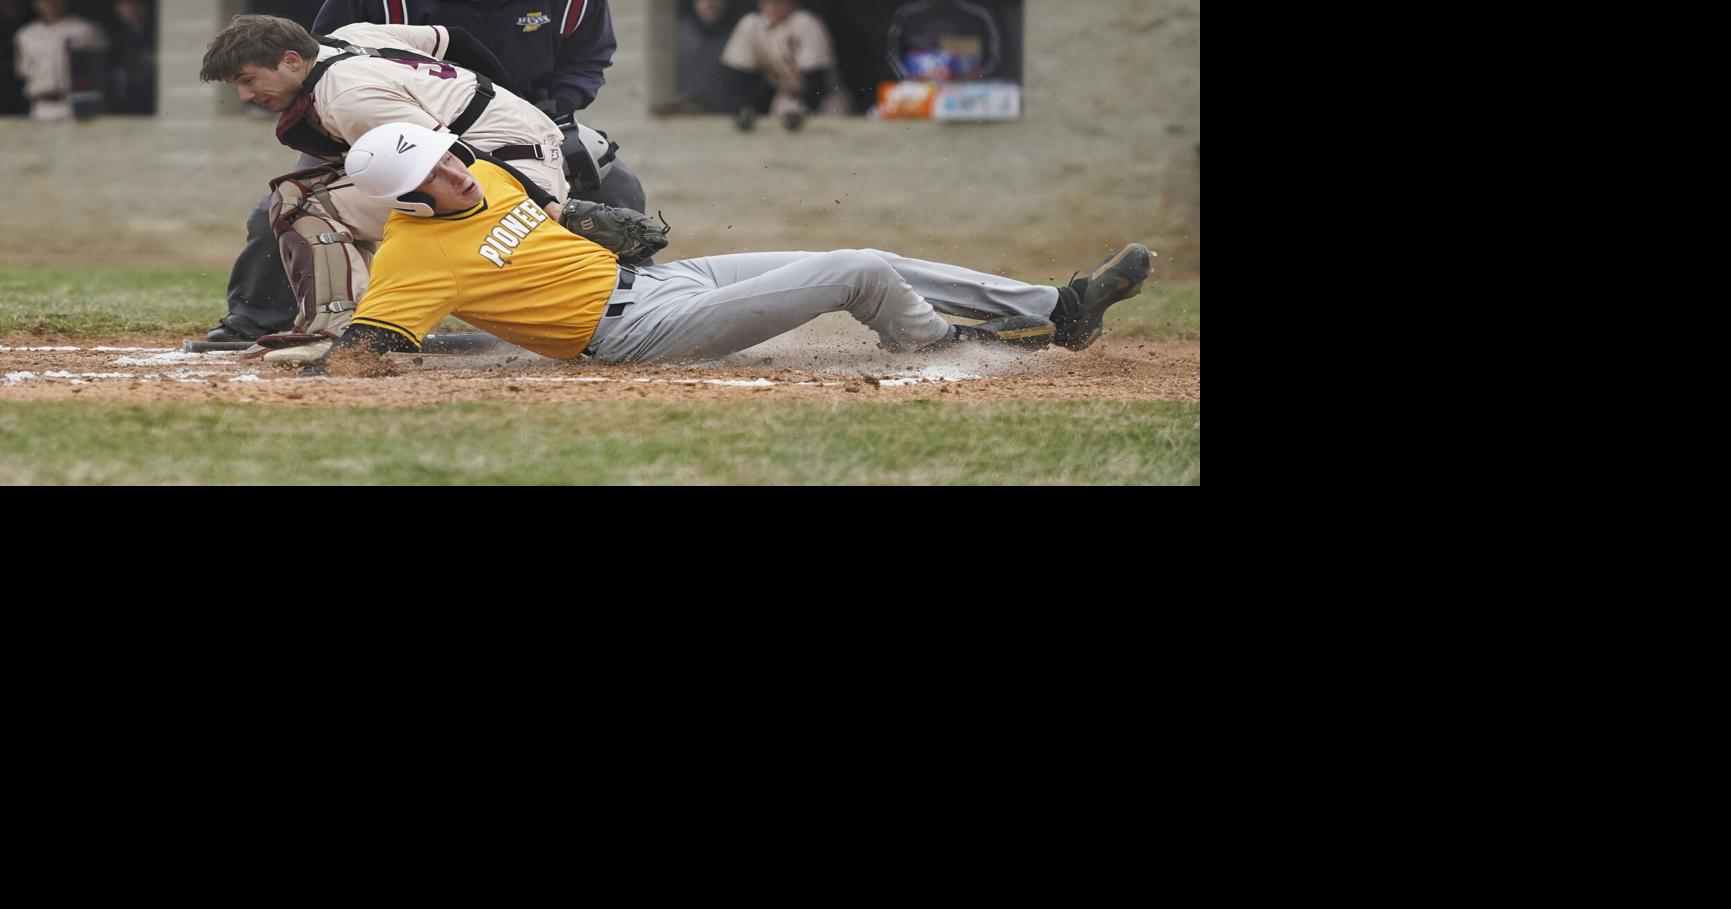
<point x="391" y="160"/>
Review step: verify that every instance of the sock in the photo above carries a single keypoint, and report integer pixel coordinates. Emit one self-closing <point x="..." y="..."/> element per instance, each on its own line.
<point x="1069" y="305"/>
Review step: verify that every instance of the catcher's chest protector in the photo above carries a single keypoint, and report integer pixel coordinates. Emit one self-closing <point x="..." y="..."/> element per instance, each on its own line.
<point x="327" y="269"/>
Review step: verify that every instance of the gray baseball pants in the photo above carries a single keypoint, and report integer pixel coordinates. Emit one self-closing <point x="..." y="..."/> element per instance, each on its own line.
<point x="701" y="309"/>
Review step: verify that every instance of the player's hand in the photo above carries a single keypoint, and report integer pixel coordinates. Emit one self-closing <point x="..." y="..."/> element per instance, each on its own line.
<point x="555" y="108"/>
<point x="554" y="210"/>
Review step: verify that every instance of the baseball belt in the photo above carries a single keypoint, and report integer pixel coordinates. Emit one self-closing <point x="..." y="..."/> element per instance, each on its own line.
<point x="627" y="278"/>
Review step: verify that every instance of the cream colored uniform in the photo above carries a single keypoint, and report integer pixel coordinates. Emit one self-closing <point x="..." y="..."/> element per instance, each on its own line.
<point x="45" y="63"/>
<point x="360" y="93"/>
<point x="781" y="53"/>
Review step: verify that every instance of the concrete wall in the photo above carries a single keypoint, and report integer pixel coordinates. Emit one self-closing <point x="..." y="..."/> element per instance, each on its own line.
<point x="1108" y="150"/>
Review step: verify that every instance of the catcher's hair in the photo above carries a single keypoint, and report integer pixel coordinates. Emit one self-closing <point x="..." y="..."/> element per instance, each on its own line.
<point x="254" y="40"/>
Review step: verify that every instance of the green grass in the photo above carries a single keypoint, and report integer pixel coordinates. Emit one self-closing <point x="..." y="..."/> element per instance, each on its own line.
<point x="98" y="302"/>
<point x="1160" y="312"/>
<point x="110" y="301"/>
<point x="624" y="442"/>
<point x="94" y="302"/>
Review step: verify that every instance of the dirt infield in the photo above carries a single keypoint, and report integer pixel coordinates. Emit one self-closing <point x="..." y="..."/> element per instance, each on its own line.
<point x="832" y="358"/>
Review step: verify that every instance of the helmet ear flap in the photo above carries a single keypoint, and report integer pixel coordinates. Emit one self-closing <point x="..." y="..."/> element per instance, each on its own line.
<point x="463" y="152"/>
<point x="414" y="203"/>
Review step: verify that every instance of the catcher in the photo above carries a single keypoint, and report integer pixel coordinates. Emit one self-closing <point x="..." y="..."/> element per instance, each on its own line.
<point x="330" y="91"/>
<point x="472" y="237"/>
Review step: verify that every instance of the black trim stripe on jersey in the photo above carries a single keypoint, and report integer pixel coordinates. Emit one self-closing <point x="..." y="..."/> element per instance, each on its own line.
<point x="381" y="323"/>
<point x="539" y="196"/>
<point x="460" y="216"/>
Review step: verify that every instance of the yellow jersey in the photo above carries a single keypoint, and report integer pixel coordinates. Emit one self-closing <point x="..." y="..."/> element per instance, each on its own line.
<point x="502" y="266"/>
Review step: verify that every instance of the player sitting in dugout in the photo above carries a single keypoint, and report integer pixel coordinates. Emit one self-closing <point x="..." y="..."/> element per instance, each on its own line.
<point x="471" y="237"/>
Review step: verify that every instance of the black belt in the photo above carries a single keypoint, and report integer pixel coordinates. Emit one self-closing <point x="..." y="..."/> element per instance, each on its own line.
<point x="627" y="278"/>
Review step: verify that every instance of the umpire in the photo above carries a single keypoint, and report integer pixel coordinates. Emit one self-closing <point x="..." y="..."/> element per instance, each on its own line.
<point x="554" y="51"/>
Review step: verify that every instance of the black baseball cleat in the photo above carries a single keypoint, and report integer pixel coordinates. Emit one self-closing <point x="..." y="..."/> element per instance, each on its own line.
<point x="1026" y="332"/>
<point x="1117" y="278"/>
<point x="225" y="333"/>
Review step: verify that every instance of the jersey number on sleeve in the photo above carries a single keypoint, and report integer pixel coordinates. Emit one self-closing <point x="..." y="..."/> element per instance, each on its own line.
<point x="444" y="70"/>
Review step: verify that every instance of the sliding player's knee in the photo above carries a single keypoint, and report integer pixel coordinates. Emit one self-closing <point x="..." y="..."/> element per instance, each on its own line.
<point x="868" y="274"/>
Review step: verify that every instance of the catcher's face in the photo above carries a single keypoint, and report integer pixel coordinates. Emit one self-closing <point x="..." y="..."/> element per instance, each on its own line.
<point x="451" y="186"/>
<point x="272" y="89"/>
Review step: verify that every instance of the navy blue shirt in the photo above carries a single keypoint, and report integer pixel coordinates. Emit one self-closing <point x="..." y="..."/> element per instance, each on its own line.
<point x="552" y="48"/>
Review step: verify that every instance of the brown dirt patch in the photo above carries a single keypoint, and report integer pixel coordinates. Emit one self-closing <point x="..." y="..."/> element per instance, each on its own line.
<point x="825" y="363"/>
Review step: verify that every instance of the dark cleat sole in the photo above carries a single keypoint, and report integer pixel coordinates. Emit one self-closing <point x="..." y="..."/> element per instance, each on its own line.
<point x="1117" y="278"/>
<point x="1025" y="332"/>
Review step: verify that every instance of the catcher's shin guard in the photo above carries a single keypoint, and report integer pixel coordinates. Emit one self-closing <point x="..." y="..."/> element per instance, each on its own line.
<point x="327" y="269"/>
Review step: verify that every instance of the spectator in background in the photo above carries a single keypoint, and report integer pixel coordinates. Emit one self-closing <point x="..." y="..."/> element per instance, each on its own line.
<point x="702" y="80"/>
<point x="45" y="57"/>
<point x="943" y="41"/>
<point x="13" y="15"/>
<point x="132" y="63"/>
<point x="780" y="61"/>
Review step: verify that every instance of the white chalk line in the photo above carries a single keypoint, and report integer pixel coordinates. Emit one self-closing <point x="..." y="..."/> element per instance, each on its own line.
<point x="190" y="375"/>
<point x="83" y="378"/>
<point x="4" y="349"/>
<point x="173" y="357"/>
<point x="187" y="376"/>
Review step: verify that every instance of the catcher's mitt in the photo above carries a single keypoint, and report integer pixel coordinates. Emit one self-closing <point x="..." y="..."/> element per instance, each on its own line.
<point x="627" y="234"/>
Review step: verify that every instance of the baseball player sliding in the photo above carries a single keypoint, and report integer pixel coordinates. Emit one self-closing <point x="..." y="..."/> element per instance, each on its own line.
<point x="553" y="56"/>
<point x="470" y="237"/>
<point x="330" y="94"/>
